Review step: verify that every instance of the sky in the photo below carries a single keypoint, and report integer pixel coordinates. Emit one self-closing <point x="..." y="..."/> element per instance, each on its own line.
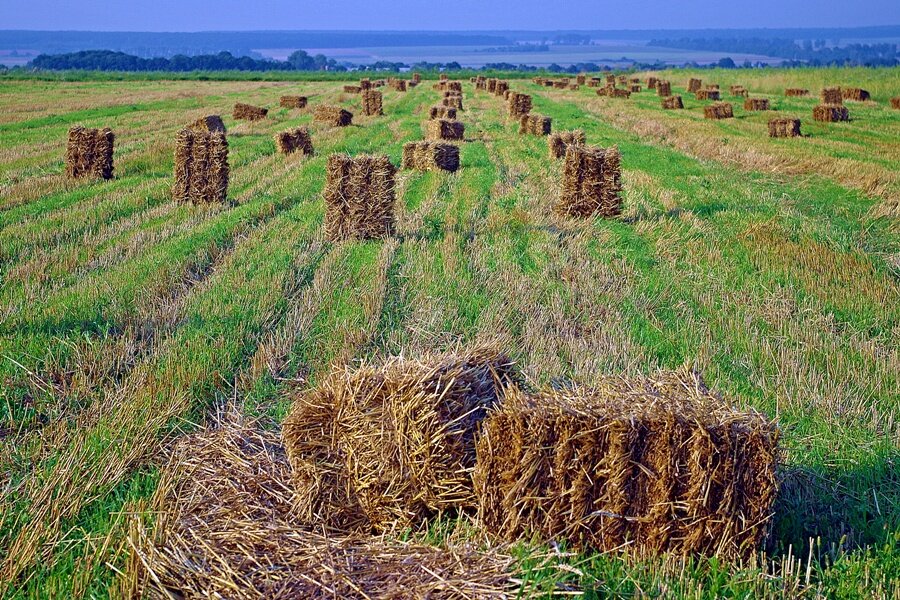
<point x="238" y="15"/>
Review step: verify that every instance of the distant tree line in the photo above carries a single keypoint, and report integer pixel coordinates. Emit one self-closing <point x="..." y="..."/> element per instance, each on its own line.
<point x="107" y="60"/>
<point x="810" y="52"/>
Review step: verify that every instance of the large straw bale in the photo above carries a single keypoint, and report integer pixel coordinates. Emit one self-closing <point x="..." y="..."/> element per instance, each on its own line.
<point x="634" y="88"/>
<point x="248" y="112"/>
<point x="591" y="182"/>
<point x="779" y="128"/>
<point x="398" y="85"/>
<point x="332" y="115"/>
<point x="293" y="101"/>
<point x="381" y="447"/>
<point x="756" y="104"/>
<point x="442" y="112"/>
<point x="594" y="82"/>
<point x="557" y="143"/>
<point x="857" y="94"/>
<point x="372" y="103"/>
<point x="492" y="85"/>
<point x="208" y="123"/>
<point x="832" y="95"/>
<point x="694" y="85"/>
<point x="359" y="197"/>
<point x="611" y="80"/>
<point x="430" y="156"/>
<point x="535" y="124"/>
<point x="672" y="103"/>
<point x="518" y="105"/>
<point x="830" y="113"/>
<point x="708" y="94"/>
<point x="502" y="88"/>
<point x="201" y="167"/>
<point x="651" y="465"/>
<point x="294" y="140"/>
<point x="89" y="153"/>
<point x="663" y="89"/>
<point x="365" y="84"/>
<point x="796" y="92"/>
<point x="718" y="110"/>
<point x="444" y="129"/>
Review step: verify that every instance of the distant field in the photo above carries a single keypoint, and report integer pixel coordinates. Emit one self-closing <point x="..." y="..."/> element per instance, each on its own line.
<point x="773" y="266"/>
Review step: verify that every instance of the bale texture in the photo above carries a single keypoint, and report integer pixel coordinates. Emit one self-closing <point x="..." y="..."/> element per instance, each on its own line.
<point x="651" y="82"/>
<point x="293" y="101"/>
<point x="672" y="103"/>
<point x="708" y="94"/>
<point x="663" y="89"/>
<point x="518" y="105"/>
<point x="756" y="104"/>
<point x="208" y="123"/>
<point x="398" y="85"/>
<point x="352" y="89"/>
<point x="332" y="115"/>
<point x="89" y="153"/>
<point x="832" y="95"/>
<point x="694" y="85"/>
<point x="856" y="94"/>
<point x="796" y="92"/>
<point x="655" y="465"/>
<point x="895" y="103"/>
<point x="248" y="112"/>
<point x="294" y="140"/>
<point x="501" y="89"/>
<point x="372" y="103"/>
<point x="591" y="182"/>
<point x="738" y="90"/>
<point x="612" y="92"/>
<point x="634" y="88"/>
<point x="535" y="124"/>
<point x="201" y="167"/>
<point x="453" y="102"/>
<point x="444" y="129"/>
<point x="557" y="143"/>
<point x="378" y="447"/>
<point x="779" y="128"/>
<point x="719" y="110"/>
<point x="831" y="113"/>
<point x="442" y="112"/>
<point x="359" y="197"/>
<point x="430" y="156"/>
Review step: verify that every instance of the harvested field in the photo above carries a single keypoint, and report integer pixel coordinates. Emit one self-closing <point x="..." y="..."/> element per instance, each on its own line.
<point x="89" y="153"/>
<point x="780" y="128"/>
<point x="201" y="167"/>
<point x="295" y="140"/>
<point x="591" y="182"/>
<point x="359" y="197"/>
<point x="293" y="101"/>
<point x="558" y="142"/>
<point x="248" y="112"/>
<point x="831" y="113"/>
<point x="719" y="110"/>
<point x="672" y="103"/>
<point x="756" y="104"/>
<point x="430" y="156"/>
<point x="335" y="116"/>
<point x="535" y="124"/>
<point x="444" y="129"/>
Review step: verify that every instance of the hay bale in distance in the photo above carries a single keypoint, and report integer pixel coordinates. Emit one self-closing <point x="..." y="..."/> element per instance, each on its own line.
<point x="832" y="95"/>
<point x="651" y="82"/>
<point x="661" y="465"/>
<point x="208" y="123"/>
<point x="612" y="92"/>
<point x="738" y="90"/>
<point x="359" y="197"/>
<point x="201" y="167"/>
<point x="719" y="110"/>
<point x="501" y="89"/>
<point x="248" y="112"/>
<point x="518" y="105"/>
<point x="442" y="112"/>
<point x="856" y="94"/>
<point x="398" y="85"/>
<point x="332" y="115"/>
<point x="780" y="128"/>
<point x="591" y="182"/>
<point x="634" y="88"/>
<point x="895" y="103"/>
<point x="352" y="89"/>
<point x="430" y="156"/>
<point x="672" y="103"/>
<point x="294" y="140"/>
<point x="392" y="445"/>
<point x="756" y="104"/>
<point x="694" y="85"/>
<point x="535" y="124"/>
<point x="444" y="129"/>
<point x="372" y="103"/>
<point x="453" y="102"/>
<point x="796" y="92"/>
<point x="663" y="89"/>
<point x="831" y="113"/>
<point x="708" y="94"/>
<point x="293" y="101"/>
<point x="89" y="153"/>
<point x="557" y="143"/>
<point x="580" y="79"/>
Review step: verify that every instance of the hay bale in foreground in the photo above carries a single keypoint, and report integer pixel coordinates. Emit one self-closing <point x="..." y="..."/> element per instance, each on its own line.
<point x="856" y="94"/>
<point x="392" y="445"/>
<point x="796" y="92"/>
<point x="89" y="153"/>
<point x="591" y="182"/>
<point x="430" y="156"/>
<point x="442" y="112"/>
<point x="656" y="465"/>
<point x="557" y="143"/>
<point x="248" y="112"/>
<point x="359" y="197"/>
<point x="756" y="104"/>
<point x="293" y="101"/>
<point x="672" y="103"/>
<point x="780" y="128"/>
<point x="832" y="95"/>
<point x="444" y="129"/>
<point x="201" y="167"/>
<point x="719" y="110"/>
<point x="694" y="85"/>
<point x="332" y="115"/>
<point x="831" y="113"/>
<point x="663" y="89"/>
<point x="535" y="124"/>
<point x="372" y="103"/>
<point x="294" y="140"/>
<point x="224" y="507"/>
<point x="708" y="94"/>
<point x="208" y="123"/>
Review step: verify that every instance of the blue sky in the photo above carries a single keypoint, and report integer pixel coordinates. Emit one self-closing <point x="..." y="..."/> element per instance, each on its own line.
<point x="198" y="15"/>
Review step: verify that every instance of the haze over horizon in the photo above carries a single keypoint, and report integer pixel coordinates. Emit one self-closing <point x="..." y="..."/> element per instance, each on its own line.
<point x="232" y="15"/>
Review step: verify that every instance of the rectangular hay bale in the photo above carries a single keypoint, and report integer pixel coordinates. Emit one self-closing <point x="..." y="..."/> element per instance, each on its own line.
<point x="694" y="85"/>
<point x="672" y="103"/>
<point x="756" y="104"/>
<point x="591" y="182"/>
<point x="248" y="112"/>
<point x="293" y="101"/>
<point x="708" y="94"/>
<point x="831" y="113"/>
<point x="557" y="143"/>
<point x="430" y="156"/>
<point x="796" y="92"/>
<point x="832" y="95"/>
<point x="856" y="94"/>
<point x="442" y="112"/>
<point x="719" y="110"/>
<point x="455" y="102"/>
<point x="89" y="153"/>
<point x="294" y="140"/>
<point x="208" y="123"/>
<point x="201" y="167"/>
<point x="518" y="105"/>
<point x="372" y="103"/>
<point x="663" y="89"/>
<point x="535" y="124"/>
<point x="359" y="197"/>
<point x="780" y="128"/>
<point x="444" y="129"/>
<point x="332" y="115"/>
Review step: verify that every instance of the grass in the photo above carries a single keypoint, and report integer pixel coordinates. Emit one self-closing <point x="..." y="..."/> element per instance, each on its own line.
<point x="772" y="265"/>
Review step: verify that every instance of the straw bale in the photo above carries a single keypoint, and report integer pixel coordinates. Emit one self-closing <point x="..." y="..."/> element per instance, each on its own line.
<point x="708" y="94"/>
<point x="832" y="95"/>
<point x="352" y="89"/>
<point x="398" y="85"/>
<point x="492" y="85"/>
<point x="581" y="79"/>
<point x="611" y="80"/>
<point x="548" y="83"/>
<point x="453" y="102"/>
<point x="738" y="90"/>
<point x="442" y="112"/>
<point x="895" y="103"/>
<point x="829" y="113"/>
<point x="430" y="156"/>
<point x="651" y="82"/>
<point x="454" y="86"/>
<point x="557" y="143"/>
<point x="365" y="84"/>
<point x="595" y="82"/>
<point x="574" y="86"/>
<point x="634" y="88"/>
<point x="481" y="83"/>
<point x="591" y="182"/>
<point x="797" y="92"/>
<point x="857" y="94"/>
<point x="387" y="446"/>
<point x="201" y="167"/>
<point x="672" y="103"/>
<point x="518" y="105"/>
<point x="372" y="103"/>
<point x="417" y="77"/>
<point x="444" y="77"/>
<point x="294" y="140"/>
<point x="694" y="85"/>
<point x="359" y="197"/>
<point x="89" y="153"/>
<point x="208" y="123"/>
<point x="223" y="526"/>
<point x="560" y="85"/>
<point x="293" y="101"/>
<point x="249" y="112"/>
<point x="614" y="92"/>
<point x="332" y="115"/>
<point x="663" y="89"/>
<point x="502" y="88"/>
<point x="756" y="104"/>
<point x="779" y="128"/>
<point x="718" y="110"/>
<point x="535" y="124"/>
<point x="653" y="465"/>
<point x="444" y="129"/>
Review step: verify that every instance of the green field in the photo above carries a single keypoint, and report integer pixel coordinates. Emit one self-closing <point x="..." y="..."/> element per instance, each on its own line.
<point x="772" y="266"/>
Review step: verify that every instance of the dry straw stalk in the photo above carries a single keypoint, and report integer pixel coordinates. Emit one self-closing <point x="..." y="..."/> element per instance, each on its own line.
<point x="756" y="104"/>
<point x="89" y="153"/>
